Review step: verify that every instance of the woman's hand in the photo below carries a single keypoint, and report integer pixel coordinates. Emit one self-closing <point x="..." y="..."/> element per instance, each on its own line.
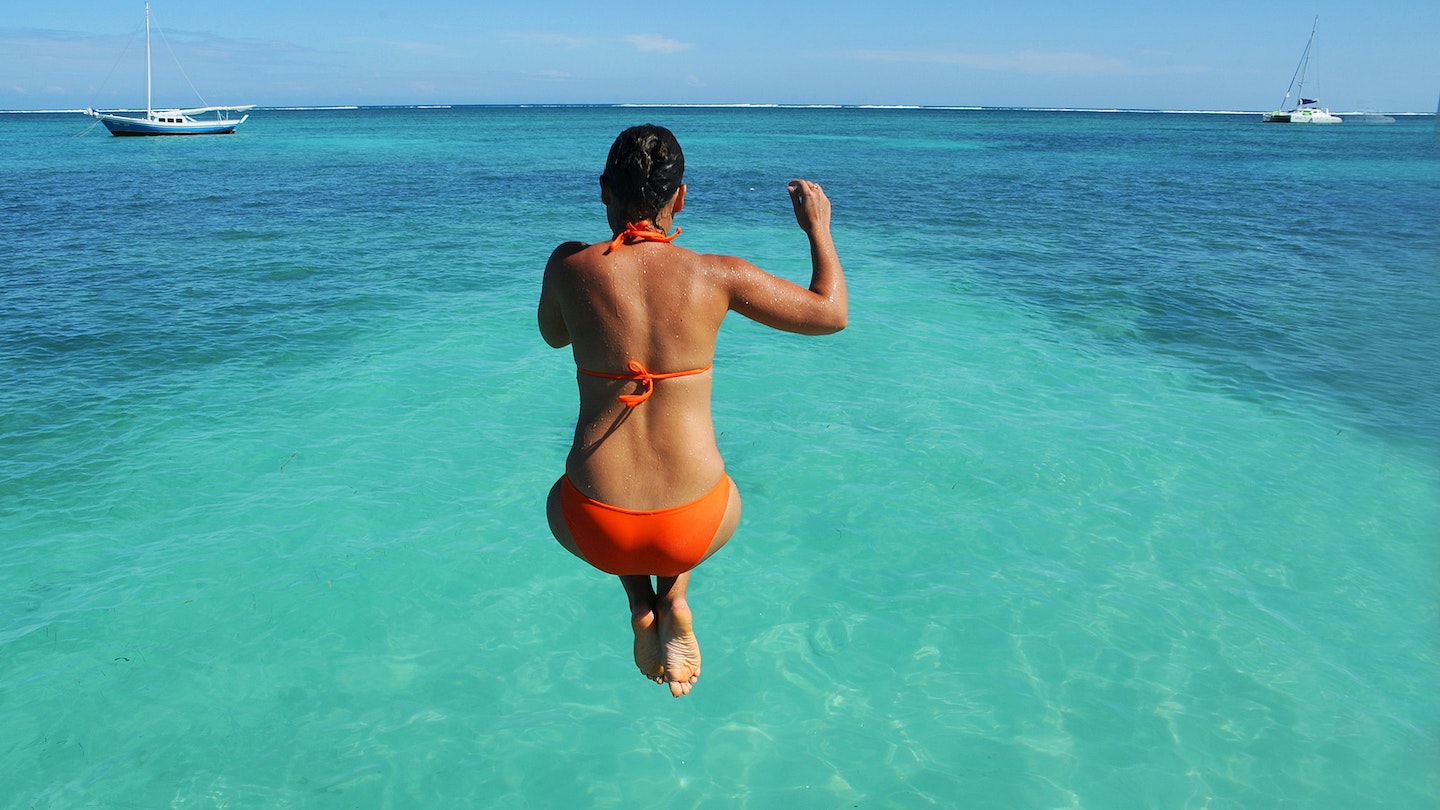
<point x="812" y="207"/>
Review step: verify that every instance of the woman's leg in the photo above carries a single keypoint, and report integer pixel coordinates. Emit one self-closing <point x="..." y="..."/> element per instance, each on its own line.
<point x="649" y="656"/>
<point x="680" y="650"/>
<point x="557" y="522"/>
<point x="638" y="592"/>
<point x="679" y="647"/>
<point x="666" y="649"/>
<point x="728" y="524"/>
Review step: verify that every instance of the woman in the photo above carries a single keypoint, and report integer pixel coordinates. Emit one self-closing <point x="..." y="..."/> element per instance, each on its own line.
<point x="645" y="491"/>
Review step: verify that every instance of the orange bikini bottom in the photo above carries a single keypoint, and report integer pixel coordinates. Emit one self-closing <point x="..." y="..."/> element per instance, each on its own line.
<point x="659" y="542"/>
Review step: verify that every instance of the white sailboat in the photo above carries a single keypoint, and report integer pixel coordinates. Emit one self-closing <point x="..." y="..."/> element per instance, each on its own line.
<point x="171" y="122"/>
<point x="1306" y="110"/>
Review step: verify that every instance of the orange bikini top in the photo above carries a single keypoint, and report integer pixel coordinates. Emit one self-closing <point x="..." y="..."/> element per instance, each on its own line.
<point x="639" y="233"/>
<point x="646" y="378"/>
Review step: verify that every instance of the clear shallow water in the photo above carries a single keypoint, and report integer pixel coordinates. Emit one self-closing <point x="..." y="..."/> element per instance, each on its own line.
<point x="1109" y="497"/>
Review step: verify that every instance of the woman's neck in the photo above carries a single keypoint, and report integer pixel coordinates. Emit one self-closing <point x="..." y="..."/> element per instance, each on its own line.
<point x="659" y="223"/>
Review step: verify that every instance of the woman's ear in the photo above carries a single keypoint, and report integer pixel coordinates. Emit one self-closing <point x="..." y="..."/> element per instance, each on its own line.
<point x="679" y="199"/>
<point x="604" y="192"/>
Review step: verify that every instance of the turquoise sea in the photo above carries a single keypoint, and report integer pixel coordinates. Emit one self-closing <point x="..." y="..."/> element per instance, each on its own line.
<point x="1122" y="489"/>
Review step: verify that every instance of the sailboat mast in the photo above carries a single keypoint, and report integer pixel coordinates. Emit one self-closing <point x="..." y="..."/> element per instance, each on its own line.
<point x="148" y="111"/>
<point x="1305" y="59"/>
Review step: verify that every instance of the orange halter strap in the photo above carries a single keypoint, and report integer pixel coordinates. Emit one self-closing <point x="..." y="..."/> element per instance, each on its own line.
<point x="645" y="377"/>
<point x="638" y="232"/>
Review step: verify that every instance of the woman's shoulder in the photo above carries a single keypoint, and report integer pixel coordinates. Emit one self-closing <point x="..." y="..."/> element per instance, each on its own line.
<point x="566" y="250"/>
<point x="573" y="259"/>
<point x="726" y="267"/>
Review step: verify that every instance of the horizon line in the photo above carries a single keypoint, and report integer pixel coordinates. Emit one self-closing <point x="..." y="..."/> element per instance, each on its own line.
<point x="735" y="105"/>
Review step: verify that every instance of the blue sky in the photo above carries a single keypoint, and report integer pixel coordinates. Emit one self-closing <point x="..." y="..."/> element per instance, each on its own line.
<point x="1219" y="55"/>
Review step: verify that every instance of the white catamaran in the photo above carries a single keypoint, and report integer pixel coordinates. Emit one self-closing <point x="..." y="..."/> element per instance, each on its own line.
<point x="170" y="122"/>
<point x="1306" y="111"/>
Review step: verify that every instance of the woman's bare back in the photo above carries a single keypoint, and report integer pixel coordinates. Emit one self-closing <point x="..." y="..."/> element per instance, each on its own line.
<point x="660" y="306"/>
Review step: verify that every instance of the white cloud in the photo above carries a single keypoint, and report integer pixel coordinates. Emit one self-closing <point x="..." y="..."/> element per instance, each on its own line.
<point x="550" y="39"/>
<point x="654" y="43"/>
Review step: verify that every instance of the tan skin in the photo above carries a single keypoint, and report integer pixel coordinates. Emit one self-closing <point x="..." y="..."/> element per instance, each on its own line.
<point x="662" y="304"/>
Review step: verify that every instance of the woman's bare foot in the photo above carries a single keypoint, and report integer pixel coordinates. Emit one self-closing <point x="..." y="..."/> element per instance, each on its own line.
<point x="681" y="651"/>
<point x="648" y="655"/>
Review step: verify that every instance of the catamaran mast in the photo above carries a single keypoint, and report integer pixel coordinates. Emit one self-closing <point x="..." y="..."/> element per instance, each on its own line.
<point x="1301" y="69"/>
<point x="148" y="112"/>
<point x="1305" y="62"/>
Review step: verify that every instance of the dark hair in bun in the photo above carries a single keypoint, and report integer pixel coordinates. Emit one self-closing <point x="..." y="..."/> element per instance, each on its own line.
<point x="644" y="169"/>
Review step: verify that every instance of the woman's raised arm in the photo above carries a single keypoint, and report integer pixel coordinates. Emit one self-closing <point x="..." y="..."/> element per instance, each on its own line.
<point x="822" y="309"/>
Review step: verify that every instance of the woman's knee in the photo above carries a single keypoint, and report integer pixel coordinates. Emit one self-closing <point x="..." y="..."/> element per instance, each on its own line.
<point x="556" y="516"/>
<point x="728" y="523"/>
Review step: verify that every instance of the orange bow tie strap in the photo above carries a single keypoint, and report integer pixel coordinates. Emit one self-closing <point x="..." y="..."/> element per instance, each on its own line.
<point x="642" y="375"/>
<point x="638" y="232"/>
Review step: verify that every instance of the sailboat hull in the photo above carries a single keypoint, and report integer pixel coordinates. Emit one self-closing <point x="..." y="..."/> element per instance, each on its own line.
<point x="124" y="125"/>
